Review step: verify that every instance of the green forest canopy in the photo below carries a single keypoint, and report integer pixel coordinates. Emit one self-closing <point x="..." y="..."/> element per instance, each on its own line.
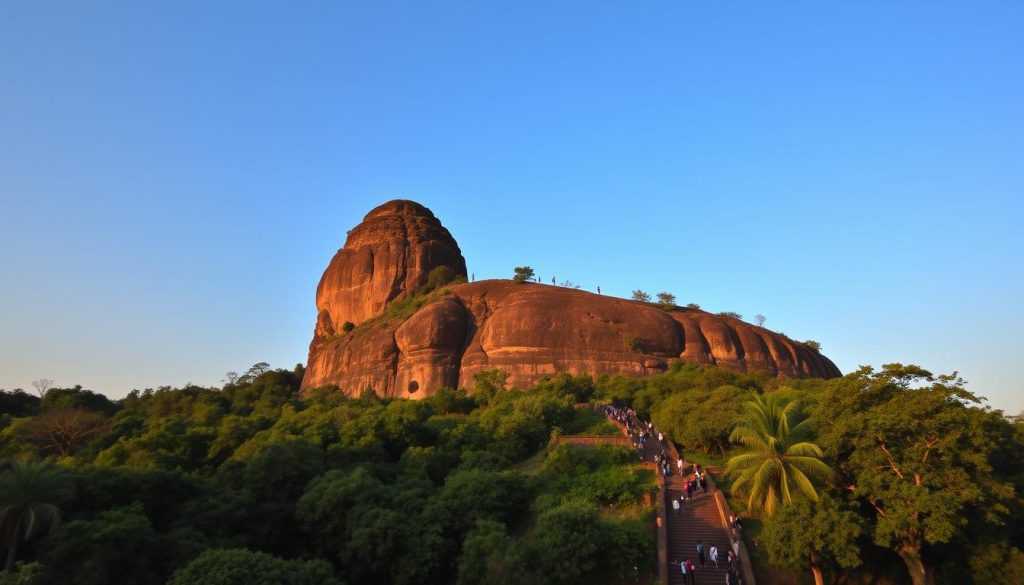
<point x="462" y="488"/>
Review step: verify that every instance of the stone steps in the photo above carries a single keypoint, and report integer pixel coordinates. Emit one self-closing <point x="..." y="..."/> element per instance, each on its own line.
<point x="701" y="520"/>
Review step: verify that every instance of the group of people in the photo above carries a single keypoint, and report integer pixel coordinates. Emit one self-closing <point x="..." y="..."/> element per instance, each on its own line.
<point x="640" y="432"/>
<point x="704" y="554"/>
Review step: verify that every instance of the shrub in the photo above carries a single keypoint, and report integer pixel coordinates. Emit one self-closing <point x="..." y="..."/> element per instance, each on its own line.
<point x="440" y="276"/>
<point x="631" y="342"/>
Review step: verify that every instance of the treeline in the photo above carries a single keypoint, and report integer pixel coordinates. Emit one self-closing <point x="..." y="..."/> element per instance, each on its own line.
<point x="254" y="483"/>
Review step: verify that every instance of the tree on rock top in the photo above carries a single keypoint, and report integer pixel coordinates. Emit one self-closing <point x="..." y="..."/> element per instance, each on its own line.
<point x="523" y="274"/>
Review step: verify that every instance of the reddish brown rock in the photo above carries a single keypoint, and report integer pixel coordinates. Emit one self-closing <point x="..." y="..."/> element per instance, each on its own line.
<point x="528" y="330"/>
<point x="386" y="257"/>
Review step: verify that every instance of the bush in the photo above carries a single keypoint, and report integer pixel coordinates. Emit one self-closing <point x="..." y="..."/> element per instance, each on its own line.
<point x="631" y="342"/>
<point x="732" y="314"/>
<point x="441" y="276"/>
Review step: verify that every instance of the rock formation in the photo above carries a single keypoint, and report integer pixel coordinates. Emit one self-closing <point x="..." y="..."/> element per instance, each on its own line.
<point x="386" y="257"/>
<point x="529" y="330"/>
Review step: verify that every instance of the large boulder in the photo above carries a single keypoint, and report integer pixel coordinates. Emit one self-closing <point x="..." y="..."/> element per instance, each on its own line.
<point x="386" y="257"/>
<point x="528" y="330"/>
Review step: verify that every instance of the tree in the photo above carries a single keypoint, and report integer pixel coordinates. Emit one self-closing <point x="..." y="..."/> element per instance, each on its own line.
<point x="732" y="314"/>
<point x="666" y="299"/>
<point x="489" y="557"/>
<point x="64" y="429"/>
<point x="522" y="274"/>
<point x="231" y="377"/>
<point x="254" y="371"/>
<point x="77" y="397"/>
<point x="913" y="448"/>
<point x="700" y="418"/>
<point x="29" y="495"/>
<point x="487" y="384"/>
<point x="569" y="544"/>
<point x="18" y="403"/>
<point x="42" y="385"/>
<point x="692" y="306"/>
<point x="780" y="460"/>
<point x="643" y="297"/>
<point x="807" y="535"/>
<point x="813" y="345"/>
<point x="118" y="545"/>
<point x="760" y="319"/>
<point x="246" y="567"/>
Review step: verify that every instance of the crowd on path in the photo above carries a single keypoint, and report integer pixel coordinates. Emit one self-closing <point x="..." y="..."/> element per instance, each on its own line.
<point x="694" y="477"/>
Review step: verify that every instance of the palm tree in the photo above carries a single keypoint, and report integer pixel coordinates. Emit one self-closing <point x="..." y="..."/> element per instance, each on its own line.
<point x="780" y="461"/>
<point x="29" y="494"/>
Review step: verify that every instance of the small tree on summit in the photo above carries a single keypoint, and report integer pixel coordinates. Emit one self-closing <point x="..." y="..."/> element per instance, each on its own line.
<point x="643" y="297"/>
<point x="523" y="274"/>
<point x="760" y="319"/>
<point x="666" y="299"/>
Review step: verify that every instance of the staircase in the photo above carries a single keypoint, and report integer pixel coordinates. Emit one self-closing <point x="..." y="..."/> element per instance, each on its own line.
<point x="702" y="519"/>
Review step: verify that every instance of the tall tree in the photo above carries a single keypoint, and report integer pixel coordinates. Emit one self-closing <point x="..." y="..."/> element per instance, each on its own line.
<point x="29" y="495"/>
<point x="809" y="535"/>
<point x="914" y="448"/>
<point x="780" y="460"/>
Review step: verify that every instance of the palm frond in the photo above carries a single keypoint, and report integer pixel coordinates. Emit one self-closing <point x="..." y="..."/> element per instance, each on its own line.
<point x="803" y="483"/>
<point x="805" y="449"/>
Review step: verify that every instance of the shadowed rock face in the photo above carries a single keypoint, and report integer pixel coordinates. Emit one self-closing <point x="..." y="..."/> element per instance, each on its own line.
<point x="528" y="330"/>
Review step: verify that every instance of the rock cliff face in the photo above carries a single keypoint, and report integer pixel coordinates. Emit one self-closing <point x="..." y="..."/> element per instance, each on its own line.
<point x="529" y="330"/>
<point x="386" y="257"/>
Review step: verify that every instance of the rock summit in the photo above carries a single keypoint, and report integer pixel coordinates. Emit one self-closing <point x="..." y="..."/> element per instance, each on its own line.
<point x="379" y="328"/>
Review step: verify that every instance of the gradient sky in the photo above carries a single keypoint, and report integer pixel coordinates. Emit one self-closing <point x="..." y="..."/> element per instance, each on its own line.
<point x="175" y="177"/>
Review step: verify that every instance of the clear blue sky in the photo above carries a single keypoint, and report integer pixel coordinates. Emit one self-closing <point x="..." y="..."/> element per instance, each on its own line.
<point x="175" y="178"/>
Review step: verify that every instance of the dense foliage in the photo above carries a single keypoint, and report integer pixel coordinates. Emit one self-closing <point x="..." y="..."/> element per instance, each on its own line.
<point x="254" y="483"/>
<point x="252" y="479"/>
<point x="936" y="479"/>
